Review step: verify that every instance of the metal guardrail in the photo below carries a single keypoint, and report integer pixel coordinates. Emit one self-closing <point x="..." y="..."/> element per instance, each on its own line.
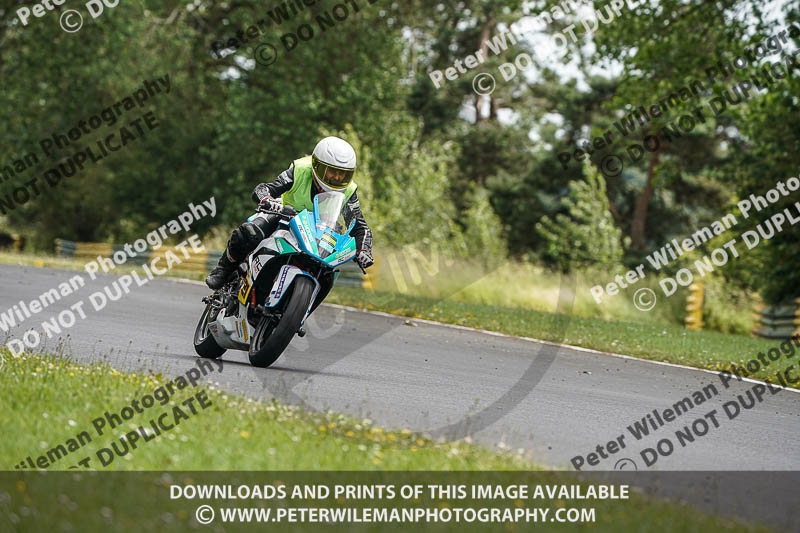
<point x="349" y="273"/>
<point x="771" y="321"/>
<point x="777" y="321"/>
<point x="91" y="250"/>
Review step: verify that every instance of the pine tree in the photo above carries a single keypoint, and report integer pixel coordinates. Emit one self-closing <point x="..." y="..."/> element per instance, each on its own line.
<point x="586" y="236"/>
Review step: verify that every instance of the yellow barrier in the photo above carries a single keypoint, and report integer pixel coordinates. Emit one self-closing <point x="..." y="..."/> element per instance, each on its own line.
<point x="371" y="278"/>
<point x="350" y="273"/>
<point x="694" y="307"/>
<point x="90" y="251"/>
<point x="19" y="242"/>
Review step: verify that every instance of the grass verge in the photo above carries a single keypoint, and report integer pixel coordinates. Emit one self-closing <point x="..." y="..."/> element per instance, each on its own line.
<point x="700" y="349"/>
<point x="647" y="340"/>
<point x="50" y="400"/>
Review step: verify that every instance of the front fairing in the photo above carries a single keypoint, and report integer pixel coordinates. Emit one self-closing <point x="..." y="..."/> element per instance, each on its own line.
<point x="316" y="231"/>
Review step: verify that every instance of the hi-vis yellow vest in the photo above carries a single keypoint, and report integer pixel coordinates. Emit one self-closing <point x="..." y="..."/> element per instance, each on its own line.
<point x="299" y="196"/>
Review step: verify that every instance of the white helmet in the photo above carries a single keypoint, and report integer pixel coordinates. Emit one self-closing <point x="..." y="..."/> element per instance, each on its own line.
<point x="333" y="164"/>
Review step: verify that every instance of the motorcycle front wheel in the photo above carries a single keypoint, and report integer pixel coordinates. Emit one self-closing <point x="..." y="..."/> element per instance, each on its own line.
<point x="270" y="340"/>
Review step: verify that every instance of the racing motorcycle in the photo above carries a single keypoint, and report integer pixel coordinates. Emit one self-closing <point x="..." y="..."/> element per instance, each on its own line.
<point x="279" y="285"/>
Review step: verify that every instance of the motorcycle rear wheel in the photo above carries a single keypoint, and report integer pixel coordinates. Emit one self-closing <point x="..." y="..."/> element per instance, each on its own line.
<point x="268" y="342"/>
<point x="204" y="343"/>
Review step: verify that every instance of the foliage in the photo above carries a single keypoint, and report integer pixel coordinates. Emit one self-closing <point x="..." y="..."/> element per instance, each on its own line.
<point x="748" y="148"/>
<point x="654" y="341"/>
<point x="287" y="437"/>
<point x="586" y="235"/>
<point x="432" y="160"/>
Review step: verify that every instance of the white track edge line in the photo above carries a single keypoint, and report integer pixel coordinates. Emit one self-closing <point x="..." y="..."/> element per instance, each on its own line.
<point x="540" y="341"/>
<point x="529" y="339"/>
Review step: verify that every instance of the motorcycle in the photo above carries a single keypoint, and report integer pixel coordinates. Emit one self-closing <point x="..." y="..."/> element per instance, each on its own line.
<point x="279" y="284"/>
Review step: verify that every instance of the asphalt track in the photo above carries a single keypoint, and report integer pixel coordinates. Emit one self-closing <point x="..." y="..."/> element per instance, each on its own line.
<point x="554" y="402"/>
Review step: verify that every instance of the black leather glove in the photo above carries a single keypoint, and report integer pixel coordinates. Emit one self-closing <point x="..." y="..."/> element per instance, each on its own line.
<point x="364" y="258"/>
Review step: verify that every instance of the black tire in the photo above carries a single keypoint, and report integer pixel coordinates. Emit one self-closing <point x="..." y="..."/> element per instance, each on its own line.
<point x="269" y="343"/>
<point x="204" y="343"/>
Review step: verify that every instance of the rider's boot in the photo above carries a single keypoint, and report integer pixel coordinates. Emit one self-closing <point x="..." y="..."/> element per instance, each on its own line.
<point x="221" y="273"/>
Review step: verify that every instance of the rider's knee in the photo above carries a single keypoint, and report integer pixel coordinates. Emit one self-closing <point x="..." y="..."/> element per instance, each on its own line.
<point x="244" y="239"/>
<point x="267" y="224"/>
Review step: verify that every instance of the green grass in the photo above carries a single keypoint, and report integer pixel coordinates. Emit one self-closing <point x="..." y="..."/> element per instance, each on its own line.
<point x="48" y="400"/>
<point x="469" y="305"/>
<point x="68" y="396"/>
<point x="701" y="349"/>
<point x="510" y="284"/>
<point x="530" y="286"/>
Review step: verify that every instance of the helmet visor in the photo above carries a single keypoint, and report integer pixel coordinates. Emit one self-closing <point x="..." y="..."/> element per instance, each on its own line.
<point x="334" y="177"/>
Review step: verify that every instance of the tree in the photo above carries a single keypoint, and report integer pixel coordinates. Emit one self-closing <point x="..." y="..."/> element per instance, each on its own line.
<point x="586" y="236"/>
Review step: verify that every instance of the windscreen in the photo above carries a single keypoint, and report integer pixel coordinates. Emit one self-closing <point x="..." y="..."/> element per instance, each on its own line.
<point x="329" y="207"/>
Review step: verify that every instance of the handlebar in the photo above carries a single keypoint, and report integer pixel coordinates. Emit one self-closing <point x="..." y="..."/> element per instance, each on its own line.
<point x="287" y="211"/>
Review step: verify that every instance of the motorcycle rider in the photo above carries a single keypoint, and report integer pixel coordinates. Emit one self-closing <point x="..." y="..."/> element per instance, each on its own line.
<point x="330" y="168"/>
